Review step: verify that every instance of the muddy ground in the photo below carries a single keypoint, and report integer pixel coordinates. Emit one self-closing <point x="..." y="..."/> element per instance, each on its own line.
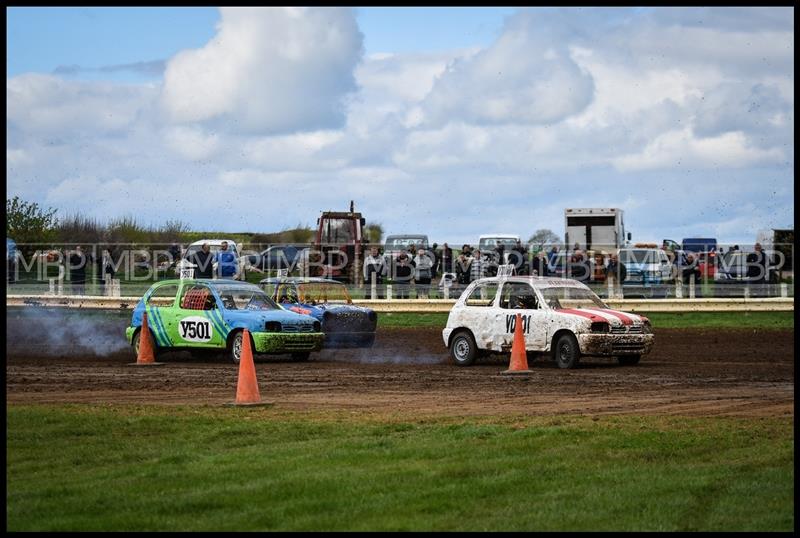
<point x="746" y="373"/>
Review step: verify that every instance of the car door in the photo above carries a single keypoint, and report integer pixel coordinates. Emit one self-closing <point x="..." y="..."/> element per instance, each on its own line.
<point x="197" y="319"/>
<point x="520" y="298"/>
<point x="160" y="308"/>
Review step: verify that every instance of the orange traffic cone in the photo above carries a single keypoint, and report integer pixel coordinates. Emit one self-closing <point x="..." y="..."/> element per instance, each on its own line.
<point x="247" y="387"/>
<point x="146" y="355"/>
<point x="519" y="359"/>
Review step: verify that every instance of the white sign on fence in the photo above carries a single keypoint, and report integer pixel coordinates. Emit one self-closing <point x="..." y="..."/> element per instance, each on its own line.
<point x="505" y="270"/>
<point x="187" y="272"/>
<point x="283" y="273"/>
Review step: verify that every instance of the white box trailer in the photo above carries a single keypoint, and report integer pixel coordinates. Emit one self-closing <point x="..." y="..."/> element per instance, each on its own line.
<point x="595" y="228"/>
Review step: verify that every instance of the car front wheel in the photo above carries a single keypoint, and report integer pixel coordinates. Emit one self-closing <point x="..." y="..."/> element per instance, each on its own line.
<point x="566" y="352"/>
<point x="463" y="349"/>
<point x="235" y="351"/>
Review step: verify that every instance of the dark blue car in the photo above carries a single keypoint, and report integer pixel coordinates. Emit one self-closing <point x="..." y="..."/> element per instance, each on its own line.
<point x="345" y="325"/>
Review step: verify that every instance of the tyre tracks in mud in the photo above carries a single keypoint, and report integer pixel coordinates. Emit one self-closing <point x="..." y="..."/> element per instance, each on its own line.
<point x="407" y="372"/>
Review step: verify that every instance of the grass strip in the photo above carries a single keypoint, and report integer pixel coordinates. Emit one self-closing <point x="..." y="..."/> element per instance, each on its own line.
<point x="205" y="468"/>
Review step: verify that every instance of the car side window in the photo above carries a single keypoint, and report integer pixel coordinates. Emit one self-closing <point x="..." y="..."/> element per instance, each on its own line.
<point x="197" y="297"/>
<point x="163" y="295"/>
<point x="518" y="295"/>
<point x="482" y="295"/>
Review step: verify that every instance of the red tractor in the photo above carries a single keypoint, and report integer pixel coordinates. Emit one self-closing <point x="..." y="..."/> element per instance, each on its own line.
<point x="341" y="245"/>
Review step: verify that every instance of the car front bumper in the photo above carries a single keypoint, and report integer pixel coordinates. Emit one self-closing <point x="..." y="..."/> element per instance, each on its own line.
<point x="615" y="344"/>
<point x="287" y="342"/>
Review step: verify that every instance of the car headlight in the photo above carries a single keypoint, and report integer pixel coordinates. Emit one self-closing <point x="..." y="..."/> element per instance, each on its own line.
<point x="600" y="327"/>
<point x="273" y="327"/>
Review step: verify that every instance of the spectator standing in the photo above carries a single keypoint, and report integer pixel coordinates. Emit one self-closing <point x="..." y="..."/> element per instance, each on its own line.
<point x="476" y="267"/>
<point x="463" y="265"/>
<point x="615" y="270"/>
<point x="423" y="268"/>
<point x="203" y="261"/>
<point x="446" y="259"/>
<point x="761" y="264"/>
<point x="552" y="257"/>
<point x="436" y="255"/>
<point x="226" y="262"/>
<point x="540" y="266"/>
<point x="77" y="268"/>
<point x="519" y="258"/>
<point x="402" y="275"/>
<point x="107" y="271"/>
<point x="375" y="264"/>
<point x="690" y="268"/>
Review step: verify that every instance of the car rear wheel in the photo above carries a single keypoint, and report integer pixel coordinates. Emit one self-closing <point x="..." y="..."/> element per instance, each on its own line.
<point x="135" y="344"/>
<point x="463" y="349"/>
<point x="566" y="352"/>
<point x="629" y="360"/>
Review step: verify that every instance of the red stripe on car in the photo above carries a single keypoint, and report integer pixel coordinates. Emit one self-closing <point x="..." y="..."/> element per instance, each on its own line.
<point x="619" y="315"/>
<point x="575" y="312"/>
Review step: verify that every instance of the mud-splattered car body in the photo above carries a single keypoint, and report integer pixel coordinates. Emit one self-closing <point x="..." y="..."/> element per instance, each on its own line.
<point x="561" y="316"/>
<point x="345" y="325"/>
<point x="207" y="315"/>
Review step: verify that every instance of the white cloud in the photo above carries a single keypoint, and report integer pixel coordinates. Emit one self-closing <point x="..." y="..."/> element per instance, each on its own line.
<point x="191" y="142"/>
<point x="682" y="148"/>
<point x="46" y="104"/>
<point x="268" y="70"/>
<point x="525" y="77"/>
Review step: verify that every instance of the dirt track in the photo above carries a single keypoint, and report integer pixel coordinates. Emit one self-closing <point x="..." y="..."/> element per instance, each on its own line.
<point x="690" y="372"/>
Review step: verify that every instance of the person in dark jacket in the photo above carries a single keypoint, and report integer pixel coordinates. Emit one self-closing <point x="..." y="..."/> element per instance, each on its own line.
<point x="403" y="272"/>
<point x="203" y="261"/>
<point x="616" y="270"/>
<point x="77" y="269"/>
<point x="540" y="266"/>
<point x="447" y="259"/>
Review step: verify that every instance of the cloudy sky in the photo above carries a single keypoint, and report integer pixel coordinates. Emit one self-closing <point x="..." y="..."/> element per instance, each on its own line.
<point x="453" y="122"/>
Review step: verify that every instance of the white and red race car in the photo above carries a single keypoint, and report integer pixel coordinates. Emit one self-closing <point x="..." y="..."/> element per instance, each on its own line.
<point x="560" y="316"/>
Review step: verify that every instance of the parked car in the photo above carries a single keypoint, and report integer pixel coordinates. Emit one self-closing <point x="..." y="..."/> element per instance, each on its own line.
<point x="395" y="243"/>
<point x="645" y="266"/>
<point x="344" y="324"/>
<point x="488" y="244"/>
<point x="277" y="257"/>
<point x="241" y="261"/>
<point x="562" y="317"/>
<point x="740" y="267"/>
<point x="206" y="315"/>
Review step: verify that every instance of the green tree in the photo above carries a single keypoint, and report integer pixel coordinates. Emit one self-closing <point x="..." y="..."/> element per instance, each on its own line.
<point x="373" y="233"/>
<point x="28" y="224"/>
<point x="543" y="237"/>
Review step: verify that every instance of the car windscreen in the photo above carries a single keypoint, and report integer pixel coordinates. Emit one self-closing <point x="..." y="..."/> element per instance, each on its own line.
<point x="491" y="242"/>
<point x="396" y="243"/>
<point x="322" y="292"/>
<point x="638" y="256"/>
<point x="245" y="298"/>
<point x="571" y="297"/>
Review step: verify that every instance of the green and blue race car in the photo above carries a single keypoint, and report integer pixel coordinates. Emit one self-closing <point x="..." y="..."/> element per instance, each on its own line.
<point x="209" y="316"/>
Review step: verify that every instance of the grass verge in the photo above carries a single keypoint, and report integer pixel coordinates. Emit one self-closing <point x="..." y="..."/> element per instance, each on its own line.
<point x="204" y="468"/>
